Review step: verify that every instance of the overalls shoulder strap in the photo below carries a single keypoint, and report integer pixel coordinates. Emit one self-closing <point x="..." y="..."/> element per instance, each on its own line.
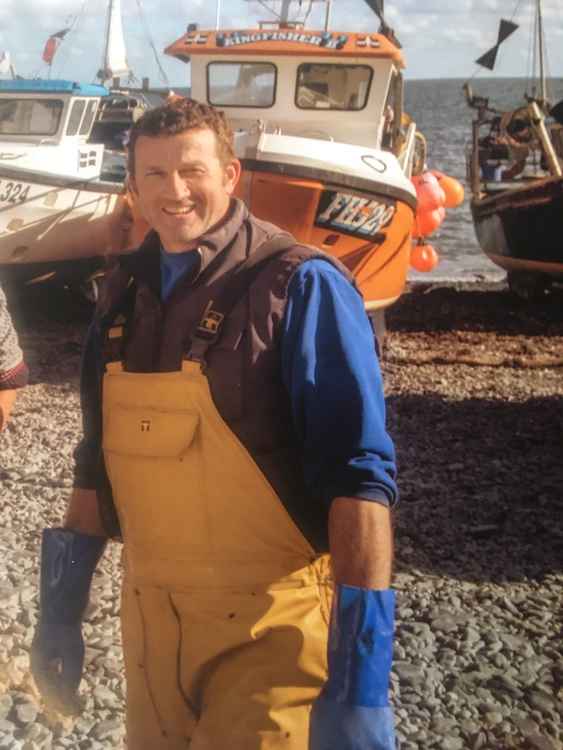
<point x="209" y="328"/>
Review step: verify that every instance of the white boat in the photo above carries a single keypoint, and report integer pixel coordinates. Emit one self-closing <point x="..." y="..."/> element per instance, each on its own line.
<point x="53" y="204"/>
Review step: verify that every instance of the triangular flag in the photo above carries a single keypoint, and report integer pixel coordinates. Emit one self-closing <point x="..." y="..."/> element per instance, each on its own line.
<point x="488" y="60"/>
<point x="506" y="29"/>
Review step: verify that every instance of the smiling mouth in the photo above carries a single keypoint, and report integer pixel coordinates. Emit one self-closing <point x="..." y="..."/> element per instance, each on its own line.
<point x="178" y="211"/>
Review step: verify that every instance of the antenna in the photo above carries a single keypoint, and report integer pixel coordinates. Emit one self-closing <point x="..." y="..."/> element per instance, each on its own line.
<point x="543" y="84"/>
<point x="284" y="13"/>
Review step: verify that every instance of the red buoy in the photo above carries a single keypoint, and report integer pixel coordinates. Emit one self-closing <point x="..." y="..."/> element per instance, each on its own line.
<point x="424" y="257"/>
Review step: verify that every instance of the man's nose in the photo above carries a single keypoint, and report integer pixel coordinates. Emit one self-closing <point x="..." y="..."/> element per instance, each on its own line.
<point x="176" y="187"/>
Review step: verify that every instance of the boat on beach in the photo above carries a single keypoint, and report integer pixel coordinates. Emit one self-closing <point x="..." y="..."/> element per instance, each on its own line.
<point x="63" y="202"/>
<point x="515" y="170"/>
<point x="55" y="207"/>
<point x="326" y="148"/>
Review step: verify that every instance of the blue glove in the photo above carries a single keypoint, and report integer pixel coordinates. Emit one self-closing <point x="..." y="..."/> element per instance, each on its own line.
<point x="352" y="711"/>
<point x="68" y="561"/>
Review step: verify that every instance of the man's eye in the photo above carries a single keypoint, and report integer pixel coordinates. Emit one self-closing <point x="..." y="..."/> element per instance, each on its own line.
<point x="153" y="173"/>
<point x="192" y="173"/>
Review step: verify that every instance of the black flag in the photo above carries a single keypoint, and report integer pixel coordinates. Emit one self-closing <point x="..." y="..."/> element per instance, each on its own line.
<point x="489" y="59"/>
<point x="377" y="7"/>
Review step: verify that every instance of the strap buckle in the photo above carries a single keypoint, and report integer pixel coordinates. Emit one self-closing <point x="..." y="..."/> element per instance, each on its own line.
<point x="209" y="326"/>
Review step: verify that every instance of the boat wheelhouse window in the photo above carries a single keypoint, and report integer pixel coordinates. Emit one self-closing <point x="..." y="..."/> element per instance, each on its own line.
<point x="75" y="116"/>
<point x="88" y="117"/>
<point x="332" y="86"/>
<point x="30" y="116"/>
<point x="248" y="84"/>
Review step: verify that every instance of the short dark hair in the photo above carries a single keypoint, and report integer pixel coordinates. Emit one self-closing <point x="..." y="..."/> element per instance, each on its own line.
<point x="179" y="115"/>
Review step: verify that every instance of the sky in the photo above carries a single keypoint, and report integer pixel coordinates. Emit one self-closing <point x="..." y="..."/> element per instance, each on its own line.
<point x="441" y="38"/>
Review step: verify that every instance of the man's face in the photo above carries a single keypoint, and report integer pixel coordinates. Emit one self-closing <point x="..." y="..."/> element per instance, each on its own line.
<point x="182" y="186"/>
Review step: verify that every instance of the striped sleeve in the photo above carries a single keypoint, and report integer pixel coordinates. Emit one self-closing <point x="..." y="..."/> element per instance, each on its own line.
<point x="13" y="370"/>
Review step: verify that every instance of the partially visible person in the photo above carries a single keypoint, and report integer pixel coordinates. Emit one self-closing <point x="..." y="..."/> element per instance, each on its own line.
<point x="13" y="370"/>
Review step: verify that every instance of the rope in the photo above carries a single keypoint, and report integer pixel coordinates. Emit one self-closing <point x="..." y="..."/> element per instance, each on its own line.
<point x="270" y="10"/>
<point x="72" y="27"/>
<point x="307" y="13"/>
<point x="162" y="72"/>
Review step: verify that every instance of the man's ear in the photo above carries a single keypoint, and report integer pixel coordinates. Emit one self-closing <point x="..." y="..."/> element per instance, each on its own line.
<point x="130" y="184"/>
<point x="232" y="175"/>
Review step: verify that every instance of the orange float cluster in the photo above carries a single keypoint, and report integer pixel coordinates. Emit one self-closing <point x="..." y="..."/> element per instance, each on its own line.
<point x="435" y="192"/>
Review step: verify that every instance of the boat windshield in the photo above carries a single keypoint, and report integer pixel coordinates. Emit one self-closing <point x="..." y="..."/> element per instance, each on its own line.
<point x="30" y="116"/>
<point x="247" y="84"/>
<point x="332" y="86"/>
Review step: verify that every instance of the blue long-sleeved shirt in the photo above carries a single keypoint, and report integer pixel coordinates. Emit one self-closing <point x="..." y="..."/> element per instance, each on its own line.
<point x="331" y="371"/>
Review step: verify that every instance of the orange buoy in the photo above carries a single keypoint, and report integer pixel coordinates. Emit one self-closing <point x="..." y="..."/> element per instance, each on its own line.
<point x="427" y="222"/>
<point x="452" y="188"/>
<point x="429" y="194"/>
<point x="424" y="257"/>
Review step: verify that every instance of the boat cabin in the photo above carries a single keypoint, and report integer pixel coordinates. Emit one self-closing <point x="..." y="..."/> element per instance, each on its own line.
<point x="298" y="82"/>
<point x="45" y="126"/>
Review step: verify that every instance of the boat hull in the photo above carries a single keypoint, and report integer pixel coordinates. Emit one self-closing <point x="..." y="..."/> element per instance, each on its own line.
<point x="48" y="221"/>
<point x="365" y="226"/>
<point x="521" y="230"/>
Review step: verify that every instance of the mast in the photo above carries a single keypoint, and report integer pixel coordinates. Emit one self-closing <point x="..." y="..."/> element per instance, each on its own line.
<point x="284" y="14"/>
<point x="114" y="62"/>
<point x="102" y="73"/>
<point x="543" y="83"/>
<point x="328" y="14"/>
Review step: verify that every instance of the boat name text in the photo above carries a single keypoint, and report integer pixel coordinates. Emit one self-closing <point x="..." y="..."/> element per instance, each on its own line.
<point x="354" y="215"/>
<point x="327" y="40"/>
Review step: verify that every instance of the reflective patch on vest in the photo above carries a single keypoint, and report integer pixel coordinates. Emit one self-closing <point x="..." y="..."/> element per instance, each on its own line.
<point x="210" y="324"/>
<point x="116" y="332"/>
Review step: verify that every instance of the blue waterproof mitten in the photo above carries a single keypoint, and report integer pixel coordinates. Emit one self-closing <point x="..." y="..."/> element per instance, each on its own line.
<point x="352" y="712"/>
<point x="68" y="561"/>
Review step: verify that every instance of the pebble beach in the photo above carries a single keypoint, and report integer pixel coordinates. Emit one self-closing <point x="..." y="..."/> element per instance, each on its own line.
<point x="474" y="385"/>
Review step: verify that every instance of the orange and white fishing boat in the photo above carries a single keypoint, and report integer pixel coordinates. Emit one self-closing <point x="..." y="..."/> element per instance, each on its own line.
<point x="326" y="149"/>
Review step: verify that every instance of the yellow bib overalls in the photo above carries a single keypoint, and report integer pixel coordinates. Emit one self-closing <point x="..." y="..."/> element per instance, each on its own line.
<point x="225" y="603"/>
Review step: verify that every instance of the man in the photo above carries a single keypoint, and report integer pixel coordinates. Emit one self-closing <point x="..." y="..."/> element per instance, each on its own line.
<point x="234" y="431"/>
<point x="13" y="370"/>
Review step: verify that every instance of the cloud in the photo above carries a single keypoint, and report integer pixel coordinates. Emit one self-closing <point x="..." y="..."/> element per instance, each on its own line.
<point x="439" y="37"/>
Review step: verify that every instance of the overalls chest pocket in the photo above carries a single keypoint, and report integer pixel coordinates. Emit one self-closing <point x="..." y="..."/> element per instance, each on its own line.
<point x="134" y="430"/>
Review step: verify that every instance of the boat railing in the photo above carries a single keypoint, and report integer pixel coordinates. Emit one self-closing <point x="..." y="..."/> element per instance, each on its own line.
<point x="406" y="157"/>
<point x="512" y="147"/>
<point x="537" y="119"/>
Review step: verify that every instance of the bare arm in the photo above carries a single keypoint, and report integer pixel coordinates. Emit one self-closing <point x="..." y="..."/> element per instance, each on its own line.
<point x="83" y="514"/>
<point x="361" y="543"/>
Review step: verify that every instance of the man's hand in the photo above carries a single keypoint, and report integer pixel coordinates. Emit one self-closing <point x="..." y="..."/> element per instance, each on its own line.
<point x="7" y="399"/>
